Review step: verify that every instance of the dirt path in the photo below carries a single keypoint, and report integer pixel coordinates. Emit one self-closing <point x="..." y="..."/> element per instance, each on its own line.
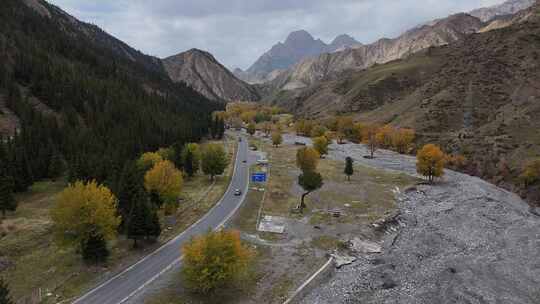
<point x="461" y="241"/>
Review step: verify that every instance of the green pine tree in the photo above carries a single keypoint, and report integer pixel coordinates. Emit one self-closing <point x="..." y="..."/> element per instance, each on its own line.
<point x="221" y="128"/>
<point x="56" y="166"/>
<point x="213" y="128"/>
<point x="349" y="169"/>
<point x="188" y="163"/>
<point x="140" y="220"/>
<point x="155" y="199"/>
<point x="178" y="147"/>
<point x="7" y="201"/>
<point x="94" y="249"/>
<point x="131" y="184"/>
<point x="154" y="227"/>
<point x="4" y="293"/>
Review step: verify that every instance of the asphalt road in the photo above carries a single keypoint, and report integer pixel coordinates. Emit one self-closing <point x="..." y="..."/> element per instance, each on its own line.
<point x="126" y="284"/>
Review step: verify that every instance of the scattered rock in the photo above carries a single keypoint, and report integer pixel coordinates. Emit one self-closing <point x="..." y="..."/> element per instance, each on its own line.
<point x="342" y="260"/>
<point x="362" y="246"/>
<point x="535" y="210"/>
<point x="388" y="282"/>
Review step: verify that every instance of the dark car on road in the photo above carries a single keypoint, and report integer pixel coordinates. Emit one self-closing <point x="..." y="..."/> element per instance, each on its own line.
<point x="237" y="192"/>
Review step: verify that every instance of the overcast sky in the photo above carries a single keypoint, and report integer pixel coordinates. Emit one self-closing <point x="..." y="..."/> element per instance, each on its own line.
<point x="237" y="32"/>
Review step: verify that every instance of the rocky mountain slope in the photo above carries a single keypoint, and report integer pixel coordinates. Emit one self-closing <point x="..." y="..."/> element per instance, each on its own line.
<point x="329" y="65"/>
<point x="205" y="74"/>
<point x="475" y="96"/>
<point x="435" y="33"/>
<point x="297" y="46"/>
<point x="509" y="7"/>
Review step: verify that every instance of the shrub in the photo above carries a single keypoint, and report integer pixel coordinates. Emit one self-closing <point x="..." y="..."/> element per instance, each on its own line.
<point x="531" y="173"/>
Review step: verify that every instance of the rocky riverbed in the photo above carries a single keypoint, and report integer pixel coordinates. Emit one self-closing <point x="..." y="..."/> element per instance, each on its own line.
<point x="461" y="240"/>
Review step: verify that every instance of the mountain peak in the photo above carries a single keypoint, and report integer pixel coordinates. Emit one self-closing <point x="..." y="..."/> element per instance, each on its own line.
<point x="299" y="36"/>
<point x="506" y="8"/>
<point x="201" y="70"/>
<point x="344" y="39"/>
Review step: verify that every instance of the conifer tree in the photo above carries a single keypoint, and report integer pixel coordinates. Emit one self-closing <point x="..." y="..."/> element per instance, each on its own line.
<point x="154" y="228"/>
<point x="178" y="148"/>
<point x="220" y="128"/>
<point x="349" y="169"/>
<point x="188" y="163"/>
<point x="7" y="201"/>
<point x="56" y="166"/>
<point x="156" y="199"/>
<point x="143" y="221"/>
<point x="137" y="223"/>
<point x="94" y="249"/>
<point x="130" y="185"/>
<point x="4" y="293"/>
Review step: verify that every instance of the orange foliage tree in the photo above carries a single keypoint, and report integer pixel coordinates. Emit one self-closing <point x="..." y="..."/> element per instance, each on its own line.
<point x="402" y="139"/>
<point x="384" y="136"/>
<point x="430" y="162"/>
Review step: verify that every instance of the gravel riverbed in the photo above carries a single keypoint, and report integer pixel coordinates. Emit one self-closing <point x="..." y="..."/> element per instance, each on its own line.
<point x="462" y="240"/>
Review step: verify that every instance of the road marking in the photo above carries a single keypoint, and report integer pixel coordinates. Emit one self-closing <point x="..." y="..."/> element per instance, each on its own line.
<point x="92" y="291"/>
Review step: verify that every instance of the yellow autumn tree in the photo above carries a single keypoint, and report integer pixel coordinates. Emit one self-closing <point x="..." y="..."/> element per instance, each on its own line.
<point x="83" y="210"/>
<point x="148" y="160"/>
<point x="318" y="131"/>
<point x="277" y="138"/>
<point x="321" y="145"/>
<point x="248" y="116"/>
<point x="251" y="128"/>
<point x="215" y="260"/>
<point x="430" y="162"/>
<point x="384" y="136"/>
<point x="402" y="139"/>
<point x="531" y="173"/>
<point x="357" y="132"/>
<point x="165" y="180"/>
<point x="307" y="159"/>
<point x="345" y="127"/>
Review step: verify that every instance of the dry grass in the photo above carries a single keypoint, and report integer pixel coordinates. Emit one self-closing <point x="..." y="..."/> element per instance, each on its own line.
<point x="365" y="198"/>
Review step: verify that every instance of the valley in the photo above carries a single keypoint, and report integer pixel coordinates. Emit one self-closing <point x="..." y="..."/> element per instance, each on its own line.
<point x="337" y="169"/>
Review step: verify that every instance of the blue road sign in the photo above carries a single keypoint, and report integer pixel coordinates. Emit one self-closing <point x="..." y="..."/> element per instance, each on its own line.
<point x="259" y="177"/>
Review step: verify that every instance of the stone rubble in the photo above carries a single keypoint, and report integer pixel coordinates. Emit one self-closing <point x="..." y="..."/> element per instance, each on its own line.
<point x="461" y="240"/>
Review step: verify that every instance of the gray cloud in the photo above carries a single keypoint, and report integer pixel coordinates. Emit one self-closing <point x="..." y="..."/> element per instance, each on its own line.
<point x="238" y="31"/>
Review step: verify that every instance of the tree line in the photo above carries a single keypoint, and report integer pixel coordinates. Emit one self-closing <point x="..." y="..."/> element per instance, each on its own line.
<point x="152" y="183"/>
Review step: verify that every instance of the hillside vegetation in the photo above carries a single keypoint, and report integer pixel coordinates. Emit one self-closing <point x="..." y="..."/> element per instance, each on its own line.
<point x="80" y="94"/>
